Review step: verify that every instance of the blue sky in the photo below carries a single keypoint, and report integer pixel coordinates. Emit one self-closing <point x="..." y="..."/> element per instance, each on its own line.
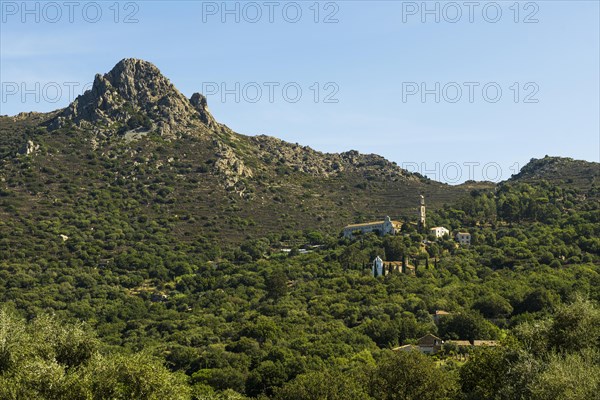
<point x="361" y="66"/>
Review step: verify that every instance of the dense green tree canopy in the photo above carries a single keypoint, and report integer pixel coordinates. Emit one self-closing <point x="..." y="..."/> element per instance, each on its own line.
<point x="181" y="316"/>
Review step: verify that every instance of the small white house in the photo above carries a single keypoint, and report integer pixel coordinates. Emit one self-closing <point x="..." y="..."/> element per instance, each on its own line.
<point x="439" y="231"/>
<point x="463" y="238"/>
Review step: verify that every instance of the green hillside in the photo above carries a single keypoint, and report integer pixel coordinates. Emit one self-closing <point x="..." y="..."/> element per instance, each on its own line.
<point x="148" y="251"/>
<point x="562" y="171"/>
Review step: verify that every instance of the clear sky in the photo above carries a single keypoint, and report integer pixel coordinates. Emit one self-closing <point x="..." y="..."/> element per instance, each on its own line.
<point x="454" y="90"/>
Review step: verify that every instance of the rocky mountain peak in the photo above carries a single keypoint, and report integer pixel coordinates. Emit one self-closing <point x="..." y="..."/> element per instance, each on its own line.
<point x="135" y="96"/>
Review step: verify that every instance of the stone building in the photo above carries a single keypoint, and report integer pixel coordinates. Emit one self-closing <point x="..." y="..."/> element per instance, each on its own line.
<point x="463" y="238"/>
<point x="382" y="268"/>
<point x="430" y="344"/>
<point x="385" y="227"/>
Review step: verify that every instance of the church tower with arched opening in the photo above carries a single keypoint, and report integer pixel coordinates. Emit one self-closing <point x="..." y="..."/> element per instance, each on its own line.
<point x="422" y="212"/>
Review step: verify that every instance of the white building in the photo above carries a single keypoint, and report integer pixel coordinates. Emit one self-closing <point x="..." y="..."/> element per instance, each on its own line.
<point x="385" y="227"/>
<point x="377" y="268"/>
<point x="463" y="238"/>
<point x="439" y="231"/>
<point x="382" y="268"/>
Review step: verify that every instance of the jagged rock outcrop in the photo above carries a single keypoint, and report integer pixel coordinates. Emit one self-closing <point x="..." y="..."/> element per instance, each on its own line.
<point x="307" y="160"/>
<point x="26" y="115"/>
<point x="199" y="102"/>
<point x="134" y="95"/>
<point x="231" y="168"/>
<point x="29" y="148"/>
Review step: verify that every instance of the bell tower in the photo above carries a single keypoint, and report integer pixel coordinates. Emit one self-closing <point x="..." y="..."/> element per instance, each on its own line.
<point x="422" y="212"/>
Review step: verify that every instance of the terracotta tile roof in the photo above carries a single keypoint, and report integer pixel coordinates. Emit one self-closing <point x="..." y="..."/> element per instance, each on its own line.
<point x="485" y="343"/>
<point x="459" y="342"/>
<point x="365" y="224"/>
<point x="406" y="347"/>
<point x="394" y="263"/>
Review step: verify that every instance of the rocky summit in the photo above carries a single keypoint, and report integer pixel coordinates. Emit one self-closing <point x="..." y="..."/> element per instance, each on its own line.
<point x="135" y="97"/>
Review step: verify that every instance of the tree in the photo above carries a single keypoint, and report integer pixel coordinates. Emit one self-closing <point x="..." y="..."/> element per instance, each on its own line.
<point x="575" y="327"/>
<point x="497" y="373"/>
<point x="538" y="300"/>
<point x="393" y="247"/>
<point x="410" y="376"/>
<point x="276" y="283"/>
<point x="493" y="306"/>
<point x="48" y="359"/>
<point x="255" y="249"/>
<point x="384" y="333"/>
<point x="352" y="256"/>
<point x="131" y="376"/>
<point x="262" y="330"/>
<point x="569" y="377"/>
<point x="467" y="325"/>
<point x="265" y="378"/>
<point x="318" y="385"/>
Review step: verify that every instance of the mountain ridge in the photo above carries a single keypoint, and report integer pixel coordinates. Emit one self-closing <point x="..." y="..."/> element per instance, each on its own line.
<point x="134" y="97"/>
<point x="218" y="182"/>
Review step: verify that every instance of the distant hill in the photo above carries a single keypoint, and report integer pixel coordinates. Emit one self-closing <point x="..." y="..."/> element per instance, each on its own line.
<point x="566" y="172"/>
